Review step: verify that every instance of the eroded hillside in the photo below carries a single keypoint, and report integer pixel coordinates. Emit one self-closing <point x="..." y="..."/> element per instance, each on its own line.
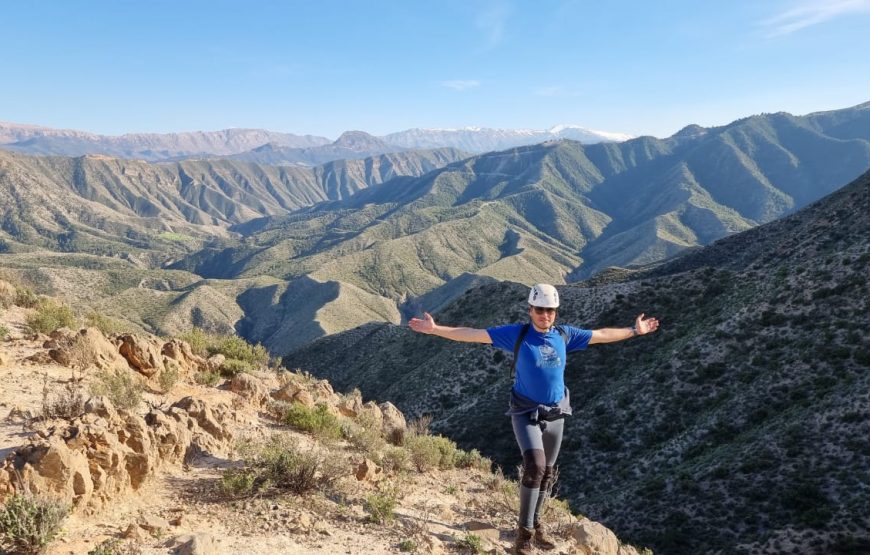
<point x="740" y="427"/>
<point x="127" y="444"/>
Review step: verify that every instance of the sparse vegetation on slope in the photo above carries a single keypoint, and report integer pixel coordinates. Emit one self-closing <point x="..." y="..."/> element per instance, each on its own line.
<point x="740" y="427"/>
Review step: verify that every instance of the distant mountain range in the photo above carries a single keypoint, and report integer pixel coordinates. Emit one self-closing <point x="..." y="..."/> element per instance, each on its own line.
<point x="740" y="427"/>
<point x="554" y="212"/>
<point x="32" y="139"/>
<point x="482" y="139"/>
<point x="408" y="230"/>
<point x="269" y="147"/>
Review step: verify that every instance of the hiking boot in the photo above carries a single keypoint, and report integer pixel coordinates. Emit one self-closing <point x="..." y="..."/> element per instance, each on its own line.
<point x="543" y="540"/>
<point x="523" y="543"/>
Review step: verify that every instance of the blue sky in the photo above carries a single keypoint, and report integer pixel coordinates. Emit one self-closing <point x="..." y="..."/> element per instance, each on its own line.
<point x="323" y="67"/>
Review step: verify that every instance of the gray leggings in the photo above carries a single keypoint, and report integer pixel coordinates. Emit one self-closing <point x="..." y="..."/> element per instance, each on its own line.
<point x="541" y="436"/>
<point x="539" y="443"/>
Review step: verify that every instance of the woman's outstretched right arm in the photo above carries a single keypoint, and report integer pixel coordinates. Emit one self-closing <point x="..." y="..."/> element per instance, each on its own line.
<point x="427" y="325"/>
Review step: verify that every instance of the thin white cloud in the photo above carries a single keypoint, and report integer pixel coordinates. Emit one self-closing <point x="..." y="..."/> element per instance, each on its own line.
<point x="811" y="13"/>
<point x="556" y="91"/>
<point x="460" y="84"/>
<point x="491" y="23"/>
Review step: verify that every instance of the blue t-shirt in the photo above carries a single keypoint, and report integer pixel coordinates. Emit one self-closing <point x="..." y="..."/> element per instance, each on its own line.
<point x="541" y="359"/>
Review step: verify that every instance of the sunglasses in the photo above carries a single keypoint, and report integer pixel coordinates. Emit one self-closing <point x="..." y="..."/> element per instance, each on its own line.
<point x="543" y="310"/>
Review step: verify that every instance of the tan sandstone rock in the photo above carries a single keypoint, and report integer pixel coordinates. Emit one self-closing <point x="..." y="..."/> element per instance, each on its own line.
<point x="142" y="354"/>
<point x="393" y="420"/>
<point x="593" y="538"/>
<point x="93" y="459"/>
<point x="250" y="388"/>
<point x="368" y="471"/>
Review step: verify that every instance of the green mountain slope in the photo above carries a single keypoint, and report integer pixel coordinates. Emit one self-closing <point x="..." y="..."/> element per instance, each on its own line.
<point x="106" y="205"/>
<point x="741" y="427"/>
<point x="555" y="212"/>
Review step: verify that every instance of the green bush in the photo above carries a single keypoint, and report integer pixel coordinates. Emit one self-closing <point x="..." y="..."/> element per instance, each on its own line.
<point x="232" y="366"/>
<point x="4" y="332"/>
<point x="198" y="341"/>
<point x="231" y="346"/>
<point x="279" y="465"/>
<point x="407" y="546"/>
<point x="395" y="459"/>
<point x="472" y="459"/>
<point x="123" y="388"/>
<point x="432" y="452"/>
<point x="28" y="523"/>
<point x="240" y="481"/>
<point x="50" y="316"/>
<point x="472" y="543"/>
<point x="168" y="377"/>
<point x="318" y="420"/>
<point x="114" y="546"/>
<point x="208" y="378"/>
<point x="26" y="298"/>
<point x="381" y="504"/>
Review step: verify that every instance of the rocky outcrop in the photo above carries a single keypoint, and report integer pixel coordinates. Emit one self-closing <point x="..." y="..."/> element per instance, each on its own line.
<point x="107" y="452"/>
<point x="250" y="387"/>
<point x="144" y="355"/>
<point x="593" y="538"/>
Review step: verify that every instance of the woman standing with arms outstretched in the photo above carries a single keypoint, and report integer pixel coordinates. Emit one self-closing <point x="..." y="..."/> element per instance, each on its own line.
<point x="539" y="399"/>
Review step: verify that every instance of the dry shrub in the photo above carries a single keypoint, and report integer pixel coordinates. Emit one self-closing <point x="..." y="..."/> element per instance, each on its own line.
<point x="395" y="459"/>
<point x="82" y="354"/>
<point x="7" y="294"/>
<point x="419" y="426"/>
<point x="207" y="378"/>
<point x="122" y="387"/>
<point x="168" y="377"/>
<point x="26" y="298"/>
<point x="280" y="465"/>
<point x="381" y="504"/>
<point x="115" y="546"/>
<point x="67" y="403"/>
<point x="29" y="523"/>
<point x="365" y="434"/>
<point x="429" y="452"/>
<point x="504" y="492"/>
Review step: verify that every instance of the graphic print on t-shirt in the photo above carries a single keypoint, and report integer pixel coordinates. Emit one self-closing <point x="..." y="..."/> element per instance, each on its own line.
<point x="549" y="357"/>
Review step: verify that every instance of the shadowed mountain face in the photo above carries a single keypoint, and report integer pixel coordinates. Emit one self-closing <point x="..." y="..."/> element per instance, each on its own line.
<point x="558" y="211"/>
<point x="741" y="426"/>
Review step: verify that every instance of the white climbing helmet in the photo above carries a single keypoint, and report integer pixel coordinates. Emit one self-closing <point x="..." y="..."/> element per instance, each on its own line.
<point x="544" y="295"/>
